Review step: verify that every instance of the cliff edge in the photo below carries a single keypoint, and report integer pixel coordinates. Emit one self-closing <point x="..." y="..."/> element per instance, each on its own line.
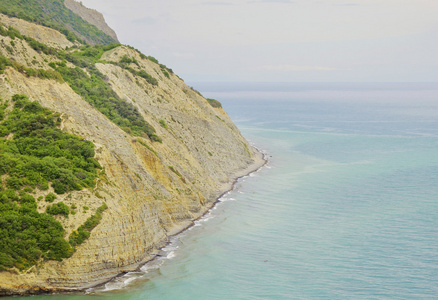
<point x="152" y="184"/>
<point x="91" y="16"/>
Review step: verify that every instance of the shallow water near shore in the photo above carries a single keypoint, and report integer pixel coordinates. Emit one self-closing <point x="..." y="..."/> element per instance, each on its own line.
<point x="347" y="207"/>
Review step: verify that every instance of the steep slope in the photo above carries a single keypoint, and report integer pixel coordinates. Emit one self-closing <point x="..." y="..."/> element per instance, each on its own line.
<point x="91" y="16"/>
<point x="54" y="14"/>
<point x="151" y="189"/>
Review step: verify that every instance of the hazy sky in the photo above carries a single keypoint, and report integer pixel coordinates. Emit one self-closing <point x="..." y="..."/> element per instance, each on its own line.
<point x="282" y="40"/>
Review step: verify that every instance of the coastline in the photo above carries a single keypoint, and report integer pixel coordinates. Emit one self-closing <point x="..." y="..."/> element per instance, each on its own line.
<point x="260" y="160"/>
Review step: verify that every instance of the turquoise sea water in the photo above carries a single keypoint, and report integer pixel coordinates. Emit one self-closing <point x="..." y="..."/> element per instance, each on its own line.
<point x="347" y="207"/>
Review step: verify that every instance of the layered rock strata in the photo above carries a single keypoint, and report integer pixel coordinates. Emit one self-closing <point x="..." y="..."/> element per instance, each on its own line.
<point x="152" y="190"/>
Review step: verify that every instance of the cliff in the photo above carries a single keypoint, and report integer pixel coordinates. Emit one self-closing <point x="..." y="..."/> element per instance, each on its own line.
<point x="91" y="16"/>
<point x="152" y="189"/>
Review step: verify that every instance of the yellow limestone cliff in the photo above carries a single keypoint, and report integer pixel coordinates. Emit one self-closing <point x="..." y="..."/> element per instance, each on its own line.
<point x="152" y="190"/>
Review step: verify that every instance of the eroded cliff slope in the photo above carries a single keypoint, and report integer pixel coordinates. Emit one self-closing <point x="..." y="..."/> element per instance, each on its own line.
<point x="91" y="16"/>
<point x="152" y="189"/>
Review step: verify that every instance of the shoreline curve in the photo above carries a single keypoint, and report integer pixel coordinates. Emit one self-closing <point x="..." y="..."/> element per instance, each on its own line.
<point x="260" y="160"/>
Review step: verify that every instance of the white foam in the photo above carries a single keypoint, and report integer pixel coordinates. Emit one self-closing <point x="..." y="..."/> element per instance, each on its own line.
<point x="152" y="265"/>
<point x="170" y="251"/>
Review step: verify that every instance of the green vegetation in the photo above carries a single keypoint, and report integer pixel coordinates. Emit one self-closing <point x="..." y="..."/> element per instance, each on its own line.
<point x="11" y="32"/>
<point x="34" y="152"/>
<point x="214" y="103"/>
<point x="27" y="236"/>
<point x="196" y="91"/>
<point x="77" y="237"/>
<point x="58" y="209"/>
<point x="177" y="173"/>
<point x="126" y="61"/>
<point x="86" y="56"/>
<point x="95" y="89"/>
<point x="153" y="59"/>
<point x="39" y="152"/>
<point x="37" y="46"/>
<point x="54" y="14"/>
<point x="163" y="123"/>
<point x="40" y="73"/>
<point x="164" y="69"/>
<point x="149" y="148"/>
<point x="50" y="197"/>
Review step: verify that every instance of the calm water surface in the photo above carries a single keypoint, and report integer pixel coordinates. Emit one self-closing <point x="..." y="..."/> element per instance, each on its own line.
<point x="347" y="207"/>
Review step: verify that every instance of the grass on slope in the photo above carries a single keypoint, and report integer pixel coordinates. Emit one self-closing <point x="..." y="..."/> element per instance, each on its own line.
<point x="33" y="153"/>
<point x="54" y="14"/>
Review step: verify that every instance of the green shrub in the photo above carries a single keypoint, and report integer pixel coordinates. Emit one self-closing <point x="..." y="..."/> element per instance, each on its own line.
<point x="214" y="103"/>
<point x="163" y="123"/>
<point x="153" y="59"/>
<point x="78" y="236"/>
<point x="58" y="209"/>
<point x="39" y="152"/>
<point x="50" y="197"/>
<point x="41" y="73"/>
<point x="54" y="14"/>
<point x="166" y="74"/>
<point x="97" y="91"/>
<point x="26" y="235"/>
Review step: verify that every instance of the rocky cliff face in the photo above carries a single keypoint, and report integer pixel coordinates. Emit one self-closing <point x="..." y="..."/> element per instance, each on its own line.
<point x="152" y="190"/>
<point x="91" y="16"/>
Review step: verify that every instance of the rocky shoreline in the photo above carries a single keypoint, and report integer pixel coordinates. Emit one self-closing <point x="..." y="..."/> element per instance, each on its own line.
<point x="260" y="160"/>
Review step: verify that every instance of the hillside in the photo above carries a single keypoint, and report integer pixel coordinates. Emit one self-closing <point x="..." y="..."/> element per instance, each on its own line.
<point x="56" y="15"/>
<point x="104" y="154"/>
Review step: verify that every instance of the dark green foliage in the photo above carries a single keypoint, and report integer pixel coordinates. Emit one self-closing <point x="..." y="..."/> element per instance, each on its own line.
<point x="26" y="236"/>
<point x="153" y="59"/>
<point x="40" y="47"/>
<point x="41" y="73"/>
<point x="126" y="60"/>
<point x="3" y="107"/>
<point x="77" y="237"/>
<point x="124" y="63"/>
<point x="50" y="197"/>
<point x="58" y="209"/>
<point x="142" y="73"/>
<point x="165" y="73"/>
<point x="96" y="91"/>
<point x="54" y="14"/>
<point x="214" y="103"/>
<point x="39" y="152"/>
<point x="164" y="69"/>
<point x="87" y="55"/>
<point x="11" y="32"/>
<point x="37" y="46"/>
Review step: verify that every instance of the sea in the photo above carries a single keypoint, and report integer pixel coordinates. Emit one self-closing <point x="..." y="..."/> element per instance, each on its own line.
<point x="345" y="208"/>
